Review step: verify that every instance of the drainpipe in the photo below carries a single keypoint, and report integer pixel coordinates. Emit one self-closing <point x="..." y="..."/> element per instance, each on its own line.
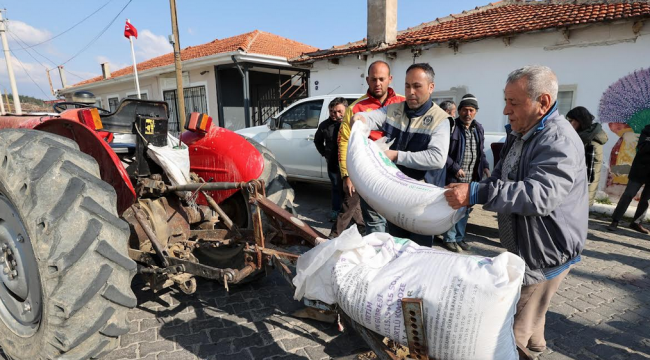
<point x="244" y="74"/>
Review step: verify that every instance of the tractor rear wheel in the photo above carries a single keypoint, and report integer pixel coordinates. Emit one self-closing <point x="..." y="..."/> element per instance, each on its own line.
<point x="65" y="286"/>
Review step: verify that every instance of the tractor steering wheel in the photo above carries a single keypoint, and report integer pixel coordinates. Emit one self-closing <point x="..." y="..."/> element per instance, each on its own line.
<point x="58" y="107"/>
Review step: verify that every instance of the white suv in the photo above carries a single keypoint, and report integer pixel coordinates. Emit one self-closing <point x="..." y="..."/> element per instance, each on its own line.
<point x="290" y="136"/>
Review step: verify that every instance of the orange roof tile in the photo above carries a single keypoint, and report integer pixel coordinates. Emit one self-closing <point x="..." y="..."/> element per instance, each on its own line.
<point x="493" y="20"/>
<point x="254" y="42"/>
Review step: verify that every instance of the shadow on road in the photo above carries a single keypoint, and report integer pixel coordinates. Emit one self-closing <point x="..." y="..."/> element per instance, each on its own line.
<point x="252" y="321"/>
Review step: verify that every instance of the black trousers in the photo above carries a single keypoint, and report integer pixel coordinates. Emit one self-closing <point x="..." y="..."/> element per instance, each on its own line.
<point x="631" y="189"/>
<point x="350" y="213"/>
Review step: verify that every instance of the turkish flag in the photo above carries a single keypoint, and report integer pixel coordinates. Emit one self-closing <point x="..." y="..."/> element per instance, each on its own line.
<point x="130" y="30"/>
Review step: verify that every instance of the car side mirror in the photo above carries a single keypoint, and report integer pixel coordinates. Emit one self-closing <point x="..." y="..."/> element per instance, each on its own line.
<point x="273" y="123"/>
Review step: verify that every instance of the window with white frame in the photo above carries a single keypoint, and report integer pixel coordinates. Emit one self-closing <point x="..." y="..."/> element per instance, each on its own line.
<point x="566" y="98"/>
<point x="113" y="102"/>
<point x="195" y="101"/>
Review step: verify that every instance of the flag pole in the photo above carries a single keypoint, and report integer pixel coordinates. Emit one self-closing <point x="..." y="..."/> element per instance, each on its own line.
<point x="135" y="67"/>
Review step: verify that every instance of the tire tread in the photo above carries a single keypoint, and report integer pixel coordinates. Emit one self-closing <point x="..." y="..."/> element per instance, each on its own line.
<point x="85" y="272"/>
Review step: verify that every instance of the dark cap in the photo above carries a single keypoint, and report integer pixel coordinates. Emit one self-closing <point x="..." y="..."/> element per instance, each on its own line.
<point x="468" y="100"/>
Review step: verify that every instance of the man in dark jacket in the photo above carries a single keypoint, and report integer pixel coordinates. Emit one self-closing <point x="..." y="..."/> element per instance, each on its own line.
<point x="539" y="192"/>
<point x="419" y="131"/>
<point x="639" y="175"/>
<point x="326" y="143"/>
<point x="466" y="162"/>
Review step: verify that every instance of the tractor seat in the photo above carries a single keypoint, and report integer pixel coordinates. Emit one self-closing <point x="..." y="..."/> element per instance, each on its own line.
<point x="121" y="120"/>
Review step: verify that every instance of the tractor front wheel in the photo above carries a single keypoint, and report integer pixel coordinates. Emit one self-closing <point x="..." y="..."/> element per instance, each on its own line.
<point x="65" y="277"/>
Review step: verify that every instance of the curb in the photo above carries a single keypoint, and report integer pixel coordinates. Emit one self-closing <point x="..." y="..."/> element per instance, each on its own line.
<point x="608" y="210"/>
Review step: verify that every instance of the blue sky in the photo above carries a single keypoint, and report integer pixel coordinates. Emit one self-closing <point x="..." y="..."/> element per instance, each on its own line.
<point x="317" y="23"/>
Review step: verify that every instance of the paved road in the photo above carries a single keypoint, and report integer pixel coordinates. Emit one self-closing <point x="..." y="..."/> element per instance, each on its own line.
<point x="601" y="311"/>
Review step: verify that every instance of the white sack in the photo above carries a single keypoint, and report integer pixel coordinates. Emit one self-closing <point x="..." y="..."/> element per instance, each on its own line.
<point x="174" y="161"/>
<point x="410" y="204"/>
<point x="313" y="278"/>
<point x="469" y="302"/>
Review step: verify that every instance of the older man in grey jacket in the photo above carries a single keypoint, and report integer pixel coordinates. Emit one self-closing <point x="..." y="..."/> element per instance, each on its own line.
<point x="539" y="192"/>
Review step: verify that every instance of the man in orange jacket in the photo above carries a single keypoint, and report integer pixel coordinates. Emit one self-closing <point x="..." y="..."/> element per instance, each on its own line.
<point x="379" y="95"/>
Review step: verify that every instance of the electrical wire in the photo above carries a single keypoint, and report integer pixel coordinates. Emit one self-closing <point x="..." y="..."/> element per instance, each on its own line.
<point x="70" y="28"/>
<point x="25" y="46"/>
<point x="18" y="39"/>
<point x="15" y="37"/>
<point x="98" y="35"/>
<point x="29" y="76"/>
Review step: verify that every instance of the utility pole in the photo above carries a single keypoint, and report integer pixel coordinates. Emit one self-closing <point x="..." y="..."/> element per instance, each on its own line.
<point x="2" y="106"/>
<point x="180" y="96"/>
<point x="49" y="78"/>
<point x="62" y="75"/>
<point x="7" y="100"/>
<point x="10" y="70"/>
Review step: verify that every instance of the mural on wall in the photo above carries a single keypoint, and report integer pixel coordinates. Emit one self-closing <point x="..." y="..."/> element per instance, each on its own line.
<point x="625" y="107"/>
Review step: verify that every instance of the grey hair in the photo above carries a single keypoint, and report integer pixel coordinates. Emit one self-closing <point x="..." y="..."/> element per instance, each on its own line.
<point x="541" y="80"/>
<point x="447" y="104"/>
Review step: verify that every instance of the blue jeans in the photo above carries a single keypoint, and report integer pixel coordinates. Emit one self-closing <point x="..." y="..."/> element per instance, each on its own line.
<point x="374" y="222"/>
<point x="457" y="232"/>
<point x="337" y="190"/>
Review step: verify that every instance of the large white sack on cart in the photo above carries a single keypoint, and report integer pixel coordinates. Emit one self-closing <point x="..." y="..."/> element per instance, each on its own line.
<point x="410" y="204"/>
<point x="469" y="302"/>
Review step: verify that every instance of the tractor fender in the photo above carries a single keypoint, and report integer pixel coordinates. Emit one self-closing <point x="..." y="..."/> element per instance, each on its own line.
<point x="221" y="155"/>
<point x="110" y="166"/>
<point x="20" y="122"/>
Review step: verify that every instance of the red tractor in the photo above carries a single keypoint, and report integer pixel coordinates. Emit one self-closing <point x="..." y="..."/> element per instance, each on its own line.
<point x="84" y="206"/>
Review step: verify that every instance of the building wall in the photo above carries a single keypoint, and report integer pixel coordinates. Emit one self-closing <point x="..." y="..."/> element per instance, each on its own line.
<point x="589" y="62"/>
<point x="154" y="86"/>
<point x="148" y="86"/>
<point x="347" y="77"/>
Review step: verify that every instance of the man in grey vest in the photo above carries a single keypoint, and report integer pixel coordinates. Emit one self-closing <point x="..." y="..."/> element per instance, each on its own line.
<point x="419" y="130"/>
<point x="539" y="192"/>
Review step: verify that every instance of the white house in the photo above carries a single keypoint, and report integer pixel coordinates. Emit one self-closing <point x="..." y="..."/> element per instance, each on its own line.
<point x="240" y="81"/>
<point x="589" y="44"/>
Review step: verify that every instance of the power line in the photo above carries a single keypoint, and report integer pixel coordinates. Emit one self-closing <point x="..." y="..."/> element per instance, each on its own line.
<point x="28" y="53"/>
<point x="76" y="54"/>
<point x="98" y="35"/>
<point x="29" y="76"/>
<point x="17" y="38"/>
<point x="72" y="27"/>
